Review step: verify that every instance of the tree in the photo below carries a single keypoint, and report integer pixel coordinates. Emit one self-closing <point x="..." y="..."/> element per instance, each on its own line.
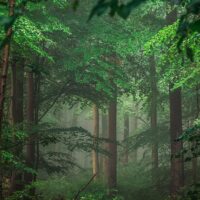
<point x="17" y="115"/>
<point x="112" y="147"/>
<point x="3" y="80"/>
<point x="30" y="147"/>
<point x="95" y="156"/>
<point x="177" y="168"/>
<point x="153" y="114"/>
<point x="126" y="135"/>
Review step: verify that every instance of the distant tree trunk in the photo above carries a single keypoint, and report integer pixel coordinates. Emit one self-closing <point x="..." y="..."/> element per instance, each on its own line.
<point x="153" y="114"/>
<point x="135" y="127"/>
<point x="126" y="135"/>
<point x="75" y="116"/>
<point x="112" y="148"/>
<point x="36" y="117"/>
<point x="30" y="147"/>
<point x="95" y="156"/>
<point x="104" y="121"/>
<point x="3" y="82"/>
<point x="17" y="114"/>
<point x="177" y="167"/>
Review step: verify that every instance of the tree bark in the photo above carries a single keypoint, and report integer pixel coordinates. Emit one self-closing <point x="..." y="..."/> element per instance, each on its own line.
<point x="153" y="114"/>
<point x="17" y="114"/>
<point x="95" y="156"/>
<point x="105" y="144"/>
<point x="195" y="160"/>
<point x="112" y="148"/>
<point x="177" y="166"/>
<point x="135" y="127"/>
<point x="30" y="147"/>
<point x="3" y="82"/>
<point x="126" y="135"/>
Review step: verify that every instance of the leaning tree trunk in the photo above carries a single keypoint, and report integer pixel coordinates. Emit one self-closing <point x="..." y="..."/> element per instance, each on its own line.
<point x="95" y="156"/>
<point x="126" y="135"/>
<point x="153" y="114"/>
<point x="17" y="113"/>
<point x="112" y="148"/>
<point x="3" y="82"/>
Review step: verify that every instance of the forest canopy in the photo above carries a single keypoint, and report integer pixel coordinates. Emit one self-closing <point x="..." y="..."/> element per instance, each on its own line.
<point x="99" y="100"/>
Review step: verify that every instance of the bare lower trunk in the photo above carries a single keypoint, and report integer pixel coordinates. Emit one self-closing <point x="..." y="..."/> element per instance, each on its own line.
<point x="177" y="167"/>
<point x="195" y="160"/>
<point x="30" y="147"/>
<point x="17" y="116"/>
<point x="135" y="127"/>
<point x="126" y="135"/>
<point x="112" y="148"/>
<point x="153" y="115"/>
<point x="105" y="144"/>
<point x="95" y="156"/>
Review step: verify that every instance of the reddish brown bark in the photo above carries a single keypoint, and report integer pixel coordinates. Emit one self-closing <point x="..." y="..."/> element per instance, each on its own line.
<point x="112" y="148"/>
<point x="104" y="121"/>
<point x="177" y="170"/>
<point x="95" y="156"/>
<point x="17" y="115"/>
<point x="3" y="81"/>
<point x="177" y="165"/>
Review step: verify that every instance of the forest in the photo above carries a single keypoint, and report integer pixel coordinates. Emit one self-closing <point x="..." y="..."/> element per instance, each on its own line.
<point x="99" y="100"/>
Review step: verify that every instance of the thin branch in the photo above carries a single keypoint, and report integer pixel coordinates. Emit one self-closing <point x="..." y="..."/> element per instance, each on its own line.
<point x="84" y="187"/>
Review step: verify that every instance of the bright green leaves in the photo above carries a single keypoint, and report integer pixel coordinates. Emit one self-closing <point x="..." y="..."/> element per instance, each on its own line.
<point x="29" y="36"/>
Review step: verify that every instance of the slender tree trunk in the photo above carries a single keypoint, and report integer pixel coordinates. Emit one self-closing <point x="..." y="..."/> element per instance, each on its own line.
<point x="95" y="156"/>
<point x="36" y="118"/>
<point x="135" y="127"/>
<point x="105" y="144"/>
<point x="177" y="167"/>
<point x="112" y="148"/>
<point x="3" y="82"/>
<point x="30" y="148"/>
<point x="126" y="135"/>
<point x="153" y="115"/>
<point x="17" y="113"/>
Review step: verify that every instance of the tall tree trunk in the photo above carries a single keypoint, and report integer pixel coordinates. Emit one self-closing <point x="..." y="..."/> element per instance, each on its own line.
<point x="112" y="148"/>
<point x="177" y="169"/>
<point x="95" y="156"/>
<point x="126" y="135"/>
<point x="105" y="146"/>
<point x="194" y="160"/>
<point x="36" y="117"/>
<point x="3" y="81"/>
<point x="135" y="127"/>
<point x="177" y="165"/>
<point x="17" y="113"/>
<point x="153" y="114"/>
<point x="30" y="147"/>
